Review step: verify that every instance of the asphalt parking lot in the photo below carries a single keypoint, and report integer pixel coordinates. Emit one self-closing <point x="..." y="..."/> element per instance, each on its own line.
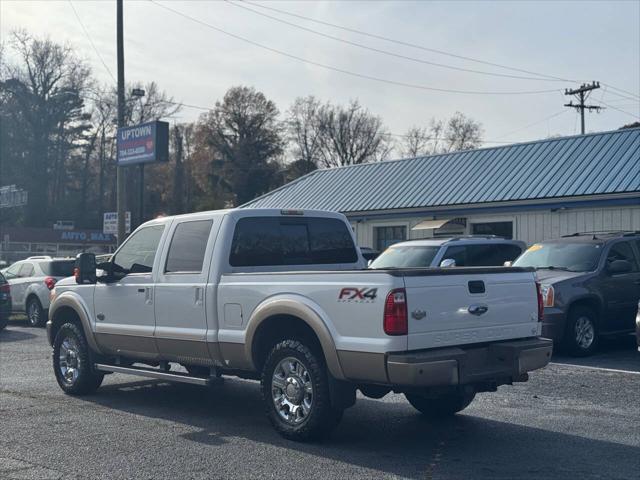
<point x="573" y="419"/>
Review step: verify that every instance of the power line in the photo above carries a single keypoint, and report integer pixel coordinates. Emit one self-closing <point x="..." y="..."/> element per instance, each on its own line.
<point x="385" y="52"/>
<point x="533" y="124"/>
<point x="408" y="44"/>
<point x="618" y="109"/>
<point x="347" y="72"/>
<point x="621" y="90"/>
<point x="104" y="64"/>
<point x="422" y="47"/>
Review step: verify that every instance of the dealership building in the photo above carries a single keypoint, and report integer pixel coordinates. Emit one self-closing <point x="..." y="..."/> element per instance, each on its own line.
<point x="18" y="243"/>
<point x="528" y="191"/>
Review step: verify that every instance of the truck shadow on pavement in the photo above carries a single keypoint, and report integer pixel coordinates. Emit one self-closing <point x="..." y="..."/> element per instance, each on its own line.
<point x="375" y="438"/>
<point x="10" y="335"/>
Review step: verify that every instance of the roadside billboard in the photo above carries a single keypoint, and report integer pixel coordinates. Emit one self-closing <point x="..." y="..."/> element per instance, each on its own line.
<point x="144" y="143"/>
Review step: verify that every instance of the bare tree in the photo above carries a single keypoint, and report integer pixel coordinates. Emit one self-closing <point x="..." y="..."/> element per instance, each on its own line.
<point x="462" y="133"/>
<point x="303" y="130"/>
<point x="457" y="133"/>
<point x="351" y="135"/>
<point x="416" y="142"/>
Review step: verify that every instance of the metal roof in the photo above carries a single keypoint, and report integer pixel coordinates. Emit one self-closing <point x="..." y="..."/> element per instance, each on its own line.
<point x="584" y="165"/>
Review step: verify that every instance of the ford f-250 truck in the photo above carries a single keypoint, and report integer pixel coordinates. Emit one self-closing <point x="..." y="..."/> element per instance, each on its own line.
<point x="283" y="296"/>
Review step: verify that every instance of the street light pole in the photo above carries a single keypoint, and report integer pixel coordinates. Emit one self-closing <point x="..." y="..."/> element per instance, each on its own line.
<point x="121" y="194"/>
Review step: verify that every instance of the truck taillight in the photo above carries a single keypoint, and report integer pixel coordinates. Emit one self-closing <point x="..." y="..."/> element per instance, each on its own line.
<point x="50" y="282"/>
<point x="540" y="302"/>
<point x="5" y="288"/>
<point x="395" y="313"/>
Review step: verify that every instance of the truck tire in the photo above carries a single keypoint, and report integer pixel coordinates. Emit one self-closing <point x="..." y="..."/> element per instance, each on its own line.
<point x="4" y="320"/>
<point x="443" y="406"/>
<point x="35" y="313"/>
<point x="295" y="392"/>
<point x="581" y="337"/>
<point x="72" y="362"/>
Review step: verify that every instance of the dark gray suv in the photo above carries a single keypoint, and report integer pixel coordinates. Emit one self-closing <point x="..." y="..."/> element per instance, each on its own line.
<point x="591" y="286"/>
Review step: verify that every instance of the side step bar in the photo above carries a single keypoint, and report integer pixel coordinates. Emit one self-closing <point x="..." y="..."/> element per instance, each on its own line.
<point x="146" y="372"/>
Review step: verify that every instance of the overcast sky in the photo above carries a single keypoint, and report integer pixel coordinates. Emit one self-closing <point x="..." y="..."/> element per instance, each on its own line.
<point x="580" y="41"/>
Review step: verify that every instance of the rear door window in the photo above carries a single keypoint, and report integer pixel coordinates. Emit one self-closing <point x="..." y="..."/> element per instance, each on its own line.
<point x="623" y="251"/>
<point x="188" y="246"/>
<point x="26" y="270"/>
<point x="273" y="241"/>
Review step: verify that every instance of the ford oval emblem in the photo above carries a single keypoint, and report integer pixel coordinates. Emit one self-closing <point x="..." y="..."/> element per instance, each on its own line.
<point x="418" y="314"/>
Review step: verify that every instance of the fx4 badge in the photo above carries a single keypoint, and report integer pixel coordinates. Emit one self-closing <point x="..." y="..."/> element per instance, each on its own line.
<point x="358" y="295"/>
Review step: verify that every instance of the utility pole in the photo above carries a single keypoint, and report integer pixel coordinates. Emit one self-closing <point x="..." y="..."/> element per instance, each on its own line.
<point x="139" y="92"/>
<point x="582" y="94"/>
<point x="121" y="109"/>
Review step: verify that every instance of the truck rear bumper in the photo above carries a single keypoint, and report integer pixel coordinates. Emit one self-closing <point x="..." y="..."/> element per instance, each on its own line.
<point x="500" y="362"/>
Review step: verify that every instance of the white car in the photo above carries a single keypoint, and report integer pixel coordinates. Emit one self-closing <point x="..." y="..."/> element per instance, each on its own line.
<point x="283" y="296"/>
<point x="31" y="281"/>
<point x="468" y="251"/>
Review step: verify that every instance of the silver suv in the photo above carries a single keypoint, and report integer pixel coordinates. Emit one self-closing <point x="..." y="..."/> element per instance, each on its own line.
<point x="31" y="280"/>
<point x="468" y="251"/>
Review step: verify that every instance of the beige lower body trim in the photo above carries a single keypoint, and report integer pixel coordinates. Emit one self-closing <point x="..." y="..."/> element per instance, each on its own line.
<point x="234" y="356"/>
<point x="363" y="366"/>
<point x="185" y="351"/>
<point x="128" y="346"/>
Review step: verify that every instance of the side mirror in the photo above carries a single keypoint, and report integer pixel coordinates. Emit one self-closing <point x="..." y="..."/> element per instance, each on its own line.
<point x="508" y="263"/>
<point x="85" y="268"/>
<point x="619" y="266"/>
<point x="369" y="262"/>
<point x="447" y="263"/>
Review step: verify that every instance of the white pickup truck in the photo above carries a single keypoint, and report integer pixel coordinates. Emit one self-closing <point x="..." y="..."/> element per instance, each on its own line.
<point x="283" y="296"/>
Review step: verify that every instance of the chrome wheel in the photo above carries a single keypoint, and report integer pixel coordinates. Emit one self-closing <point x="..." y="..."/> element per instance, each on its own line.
<point x="292" y="390"/>
<point x="33" y="313"/>
<point x="69" y="360"/>
<point x="585" y="332"/>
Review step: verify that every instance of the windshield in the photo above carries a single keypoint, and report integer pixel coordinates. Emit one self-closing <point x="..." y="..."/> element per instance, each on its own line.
<point x="406" y="257"/>
<point x="574" y="257"/>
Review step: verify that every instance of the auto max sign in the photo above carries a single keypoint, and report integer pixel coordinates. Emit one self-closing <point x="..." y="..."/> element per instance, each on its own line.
<point x="144" y="143"/>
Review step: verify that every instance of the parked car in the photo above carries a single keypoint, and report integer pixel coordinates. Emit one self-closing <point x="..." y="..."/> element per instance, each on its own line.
<point x="590" y="284"/>
<point x="281" y="296"/>
<point x="5" y="302"/>
<point x="31" y="281"/>
<point x="468" y="251"/>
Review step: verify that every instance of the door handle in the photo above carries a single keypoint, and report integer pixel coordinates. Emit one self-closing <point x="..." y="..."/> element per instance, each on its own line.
<point x="478" y="309"/>
<point x="198" y="296"/>
<point x="148" y="295"/>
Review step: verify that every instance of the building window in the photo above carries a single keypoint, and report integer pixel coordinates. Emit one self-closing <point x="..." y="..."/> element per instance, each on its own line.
<point x="386" y="236"/>
<point x="500" y="229"/>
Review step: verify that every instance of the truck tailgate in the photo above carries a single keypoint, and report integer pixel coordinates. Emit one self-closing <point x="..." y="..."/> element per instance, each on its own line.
<point x="467" y="305"/>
